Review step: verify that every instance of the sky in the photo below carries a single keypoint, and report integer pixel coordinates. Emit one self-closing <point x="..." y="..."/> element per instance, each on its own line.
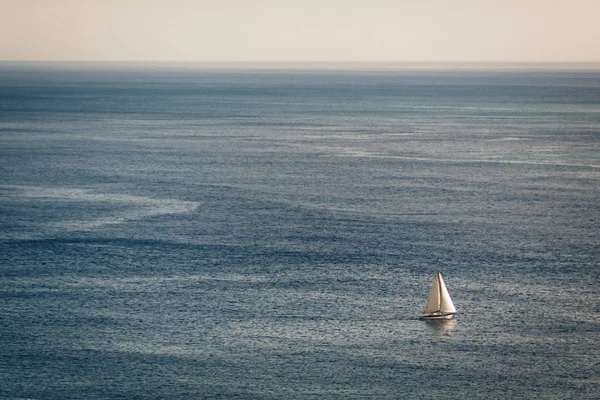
<point x="301" y="30"/>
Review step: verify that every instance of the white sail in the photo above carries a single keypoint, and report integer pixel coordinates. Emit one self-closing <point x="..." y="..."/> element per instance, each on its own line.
<point x="433" y="302"/>
<point x="446" y="305"/>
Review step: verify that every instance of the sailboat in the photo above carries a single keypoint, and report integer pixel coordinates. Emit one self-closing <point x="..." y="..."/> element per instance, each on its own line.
<point x="439" y="304"/>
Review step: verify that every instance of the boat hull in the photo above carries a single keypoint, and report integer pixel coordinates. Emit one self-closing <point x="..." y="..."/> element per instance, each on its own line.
<point x="437" y="315"/>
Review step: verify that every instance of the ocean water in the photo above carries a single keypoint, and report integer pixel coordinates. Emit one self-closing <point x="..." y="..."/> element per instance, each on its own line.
<point x="195" y="233"/>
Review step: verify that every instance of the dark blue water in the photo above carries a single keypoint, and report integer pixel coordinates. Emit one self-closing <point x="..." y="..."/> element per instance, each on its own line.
<point x="181" y="233"/>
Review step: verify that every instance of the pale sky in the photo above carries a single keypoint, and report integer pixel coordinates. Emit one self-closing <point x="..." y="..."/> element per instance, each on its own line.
<point x="301" y="30"/>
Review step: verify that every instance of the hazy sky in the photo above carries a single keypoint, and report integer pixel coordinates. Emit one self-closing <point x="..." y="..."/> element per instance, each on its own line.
<point x="301" y="30"/>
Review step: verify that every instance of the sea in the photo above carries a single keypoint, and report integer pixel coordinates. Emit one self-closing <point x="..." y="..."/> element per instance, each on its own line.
<point x="252" y="232"/>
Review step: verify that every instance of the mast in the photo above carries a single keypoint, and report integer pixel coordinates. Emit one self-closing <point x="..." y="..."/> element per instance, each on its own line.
<point x="438" y="276"/>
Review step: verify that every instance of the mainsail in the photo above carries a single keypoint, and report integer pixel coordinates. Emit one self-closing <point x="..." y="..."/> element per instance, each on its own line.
<point x="433" y="302"/>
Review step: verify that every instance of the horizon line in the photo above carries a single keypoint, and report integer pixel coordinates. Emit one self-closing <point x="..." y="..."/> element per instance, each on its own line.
<point x="324" y="64"/>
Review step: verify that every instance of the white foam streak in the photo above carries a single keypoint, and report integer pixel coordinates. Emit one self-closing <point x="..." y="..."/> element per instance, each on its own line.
<point x="360" y="153"/>
<point x="122" y="208"/>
